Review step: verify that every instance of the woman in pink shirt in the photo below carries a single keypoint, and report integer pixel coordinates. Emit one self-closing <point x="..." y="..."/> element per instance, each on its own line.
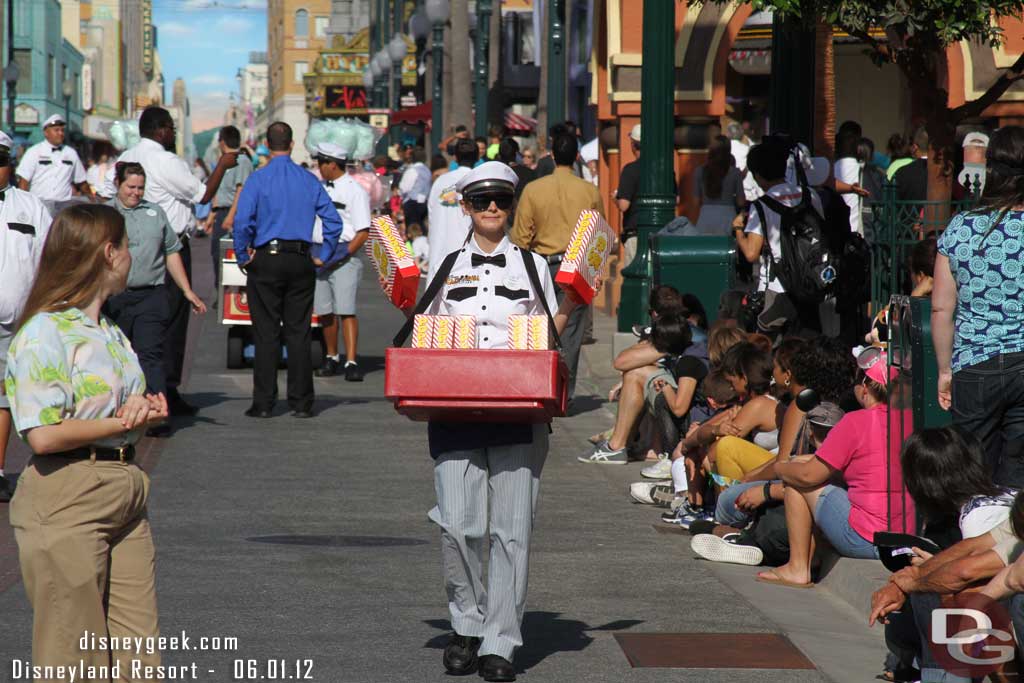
<point x="848" y="518"/>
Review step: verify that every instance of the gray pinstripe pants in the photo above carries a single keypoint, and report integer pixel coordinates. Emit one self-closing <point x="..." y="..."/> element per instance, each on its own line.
<point x="504" y="481"/>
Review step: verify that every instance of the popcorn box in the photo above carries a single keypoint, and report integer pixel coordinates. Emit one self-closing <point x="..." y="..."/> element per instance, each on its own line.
<point x="465" y="332"/>
<point x="422" y="329"/>
<point x="585" y="256"/>
<point x="397" y="272"/>
<point x="442" y="332"/>
<point x="528" y="333"/>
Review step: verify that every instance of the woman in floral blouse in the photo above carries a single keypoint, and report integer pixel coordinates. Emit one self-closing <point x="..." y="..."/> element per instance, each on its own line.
<point x="77" y="399"/>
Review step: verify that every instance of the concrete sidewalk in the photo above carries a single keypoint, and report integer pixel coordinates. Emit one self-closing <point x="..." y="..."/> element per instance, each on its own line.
<point x="308" y="540"/>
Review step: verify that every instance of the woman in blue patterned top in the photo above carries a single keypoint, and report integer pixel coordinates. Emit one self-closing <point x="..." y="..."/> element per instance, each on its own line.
<point x="77" y="398"/>
<point x="978" y="313"/>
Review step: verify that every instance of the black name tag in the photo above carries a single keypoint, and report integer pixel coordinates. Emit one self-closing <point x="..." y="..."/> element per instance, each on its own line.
<point x="45" y="162"/>
<point x="22" y="228"/>
<point x="68" y="162"/>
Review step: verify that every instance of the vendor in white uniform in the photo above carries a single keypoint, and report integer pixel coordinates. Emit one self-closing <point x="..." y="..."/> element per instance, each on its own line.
<point x="487" y="476"/>
<point x="449" y="224"/>
<point x="24" y="224"/>
<point x="50" y="169"/>
<point x="338" y="283"/>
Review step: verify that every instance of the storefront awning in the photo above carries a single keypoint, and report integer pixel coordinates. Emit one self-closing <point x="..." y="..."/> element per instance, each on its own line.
<point x="414" y="115"/>
<point x="519" y="123"/>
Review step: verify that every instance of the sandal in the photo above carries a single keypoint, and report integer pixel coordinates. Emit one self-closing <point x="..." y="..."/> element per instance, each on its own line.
<point x="771" y="576"/>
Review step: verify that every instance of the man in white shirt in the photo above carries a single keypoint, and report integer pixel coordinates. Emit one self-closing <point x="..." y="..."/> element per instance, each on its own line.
<point x="50" y="168"/>
<point x="171" y="185"/>
<point x="768" y="164"/>
<point x="24" y="224"/>
<point x="338" y="283"/>
<point x="449" y="224"/>
<point x="414" y="187"/>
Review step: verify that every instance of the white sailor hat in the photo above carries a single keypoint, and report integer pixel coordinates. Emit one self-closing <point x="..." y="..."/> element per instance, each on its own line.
<point x="490" y="175"/>
<point x="55" y="120"/>
<point x="331" y="151"/>
<point x="6" y="143"/>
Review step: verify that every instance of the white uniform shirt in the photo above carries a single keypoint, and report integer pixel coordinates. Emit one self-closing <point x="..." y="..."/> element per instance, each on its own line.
<point x="353" y="204"/>
<point x="169" y="183"/>
<point x="787" y="194"/>
<point x="848" y="170"/>
<point x="415" y="183"/>
<point x="51" y="171"/>
<point x="449" y="225"/>
<point x="24" y="224"/>
<point x="491" y="293"/>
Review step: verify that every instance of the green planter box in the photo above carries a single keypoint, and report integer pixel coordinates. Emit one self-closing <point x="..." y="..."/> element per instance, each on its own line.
<point x="702" y="266"/>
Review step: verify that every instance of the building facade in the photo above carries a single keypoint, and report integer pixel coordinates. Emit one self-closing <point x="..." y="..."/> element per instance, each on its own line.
<point x="296" y="33"/>
<point x="49" y="66"/>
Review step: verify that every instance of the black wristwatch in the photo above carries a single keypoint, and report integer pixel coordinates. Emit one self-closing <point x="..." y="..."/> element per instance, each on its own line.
<point x="767" y="491"/>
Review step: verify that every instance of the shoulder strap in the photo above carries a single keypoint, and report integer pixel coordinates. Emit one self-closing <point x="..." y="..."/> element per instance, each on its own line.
<point x="766" y="250"/>
<point x="531" y="271"/>
<point x="428" y="296"/>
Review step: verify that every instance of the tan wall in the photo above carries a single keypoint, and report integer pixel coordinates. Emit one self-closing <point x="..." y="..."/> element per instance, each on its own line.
<point x="875" y="97"/>
<point x="284" y="49"/>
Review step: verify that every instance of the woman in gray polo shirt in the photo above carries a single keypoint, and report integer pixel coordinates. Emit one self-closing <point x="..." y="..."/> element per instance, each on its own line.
<point x="141" y="309"/>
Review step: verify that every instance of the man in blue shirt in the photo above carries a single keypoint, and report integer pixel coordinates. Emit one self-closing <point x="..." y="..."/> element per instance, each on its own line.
<point x="273" y="240"/>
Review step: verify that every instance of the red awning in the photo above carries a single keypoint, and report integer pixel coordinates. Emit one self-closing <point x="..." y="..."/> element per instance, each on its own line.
<point x="418" y="114"/>
<point x="520" y="122"/>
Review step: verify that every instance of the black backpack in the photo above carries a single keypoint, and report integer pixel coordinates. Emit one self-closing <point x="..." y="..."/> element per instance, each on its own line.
<point x="810" y="263"/>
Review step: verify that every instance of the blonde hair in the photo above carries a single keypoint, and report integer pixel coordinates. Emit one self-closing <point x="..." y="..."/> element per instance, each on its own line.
<point x="720" y="340"/>
<point x="73" y="261"/>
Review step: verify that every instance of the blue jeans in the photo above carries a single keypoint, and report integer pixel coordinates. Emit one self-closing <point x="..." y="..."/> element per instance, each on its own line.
<point x="988" y="401"/>
<point x="726" y="511"/>
<point x="832" y="516"/>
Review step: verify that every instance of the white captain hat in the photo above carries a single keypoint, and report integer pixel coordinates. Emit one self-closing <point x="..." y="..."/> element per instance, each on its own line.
<point x="331" y="151"/>
<point x="55" y="120"/>
<point x="6" y="143"/>
<point x="488" y="176"/>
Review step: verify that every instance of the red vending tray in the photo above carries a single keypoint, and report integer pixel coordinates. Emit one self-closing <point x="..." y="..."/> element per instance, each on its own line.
<point x="476" y="385"/>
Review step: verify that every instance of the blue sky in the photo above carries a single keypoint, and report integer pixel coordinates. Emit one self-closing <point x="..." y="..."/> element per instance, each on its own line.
<point x="205" y="42"/>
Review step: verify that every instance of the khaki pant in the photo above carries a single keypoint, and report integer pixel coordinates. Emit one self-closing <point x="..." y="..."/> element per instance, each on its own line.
<point x="87" y="560"/>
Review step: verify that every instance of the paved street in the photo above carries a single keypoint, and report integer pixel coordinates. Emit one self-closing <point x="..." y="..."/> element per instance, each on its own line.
<point x="356" y="587"/>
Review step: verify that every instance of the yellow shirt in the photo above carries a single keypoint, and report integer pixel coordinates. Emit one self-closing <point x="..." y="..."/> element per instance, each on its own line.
<point x="549" y="208"/>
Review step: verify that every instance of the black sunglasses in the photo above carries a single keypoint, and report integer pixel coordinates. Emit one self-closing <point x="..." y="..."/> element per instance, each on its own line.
<point x="482" y="202"/>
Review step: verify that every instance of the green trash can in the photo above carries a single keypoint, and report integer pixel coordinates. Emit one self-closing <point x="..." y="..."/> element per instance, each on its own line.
<point x="910" y="338"/>
<point x="702" y="266"/>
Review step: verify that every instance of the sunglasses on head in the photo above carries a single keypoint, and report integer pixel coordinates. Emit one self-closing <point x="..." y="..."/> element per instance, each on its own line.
<point x="482" y="202"/>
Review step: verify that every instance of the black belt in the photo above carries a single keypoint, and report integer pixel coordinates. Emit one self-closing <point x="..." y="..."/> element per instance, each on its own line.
<point x="285" y="247"/>
<point x="554" y="259"/>
<point x="122" y="454"/>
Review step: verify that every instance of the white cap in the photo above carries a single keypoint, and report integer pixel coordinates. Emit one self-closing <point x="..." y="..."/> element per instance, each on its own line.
<point x="55" y="120"/>
<point x="816" y="168"/>
<point x="6" y="142"/>
<point x="331" y="151"/>
<point x="634" y="134"/>
<point x="975" y="140"/>
<point x="490" y="175"/>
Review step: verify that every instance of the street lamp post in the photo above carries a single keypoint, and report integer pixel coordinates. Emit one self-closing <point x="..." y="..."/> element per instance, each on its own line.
<point x="556" y="60"/>
<point x="11" y="74"/>
<point x="483" y="42"/>
<point x="419" y="29"/>
<point x="68" y="89"/>
<point x="397" y="50"/>
<point x="656" y="200"/>
<point x="437" y="13"/>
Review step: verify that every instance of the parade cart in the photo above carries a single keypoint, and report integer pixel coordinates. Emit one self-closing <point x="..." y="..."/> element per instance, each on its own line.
<point x="234" y="314"/>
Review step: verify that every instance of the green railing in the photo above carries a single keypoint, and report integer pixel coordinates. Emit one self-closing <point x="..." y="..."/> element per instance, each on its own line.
<point x="892" y="227"/>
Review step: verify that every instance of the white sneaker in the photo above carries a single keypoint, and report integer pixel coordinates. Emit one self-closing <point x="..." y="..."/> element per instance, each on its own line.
<point x="645" y="491"/>
<point x="716" y="549"/>
<point x="659" y="470"/>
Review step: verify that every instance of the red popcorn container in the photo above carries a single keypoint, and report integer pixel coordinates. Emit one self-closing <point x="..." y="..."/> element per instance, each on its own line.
<point x="476" y="385"/>
<point x="397" y="272"/>
<point x="586" y="255"/>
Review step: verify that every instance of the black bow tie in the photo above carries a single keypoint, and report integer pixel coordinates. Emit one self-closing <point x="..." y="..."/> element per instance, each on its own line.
<point x="57" y="149"/>
<point x="2" y="193"/>
<point x="479" y="260"/>
<point x="329" y="183"/>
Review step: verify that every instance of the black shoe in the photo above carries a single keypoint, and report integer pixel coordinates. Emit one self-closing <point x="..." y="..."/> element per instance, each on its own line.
<point x="303" y="414"/>
<point x="257" y="412"/>
<point x="496" y="668"/>
<point x="353" y="373"/>
<point x="159" y="432"/>
<point x="328" y="369"/>
<point x="178" y="407"/>
<point x="7" y="491"/>
<point x="460" y="655"/>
